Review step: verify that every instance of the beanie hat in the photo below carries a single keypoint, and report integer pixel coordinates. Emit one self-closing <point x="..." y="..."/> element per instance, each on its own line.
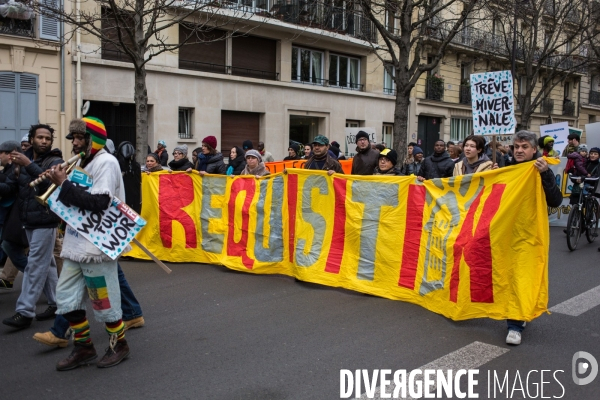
<point x="254" y="153"/>
<point x="582" y="147"/>
<point x="183" y="149"/>
<point x="162" y="143"/>
<point x="361" y="134"/>
<point x="110" y="146"/>
<point x="25" y="139"/>
<point x="153" y="155"/>
<point x="548" y="139"/>
<point x="390" y="155"/>
<point x="595" y="150"/>
<point x="210" y="141"/>
<point x="336" y="144"/>
<point x="95" y="128"/>
<point x="10" y="145"/>
<point x="295" y="147"/>
<point x="247" y="145"/>
<point x="417" y="150"/>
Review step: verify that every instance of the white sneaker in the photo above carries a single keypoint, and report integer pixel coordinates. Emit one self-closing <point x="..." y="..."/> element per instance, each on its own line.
<point x="513" y="337"/>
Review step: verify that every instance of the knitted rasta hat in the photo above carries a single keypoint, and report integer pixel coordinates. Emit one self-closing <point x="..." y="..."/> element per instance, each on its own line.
<point x="97" y="132"/>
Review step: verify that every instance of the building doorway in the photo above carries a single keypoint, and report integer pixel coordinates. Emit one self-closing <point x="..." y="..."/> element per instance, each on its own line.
<point x="304" y="129"/>
<point x="118" y="118"/>
<point x="428" y="133"/>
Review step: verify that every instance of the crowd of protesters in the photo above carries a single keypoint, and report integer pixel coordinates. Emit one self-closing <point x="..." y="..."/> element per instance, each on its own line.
<point x="34" y="244"/>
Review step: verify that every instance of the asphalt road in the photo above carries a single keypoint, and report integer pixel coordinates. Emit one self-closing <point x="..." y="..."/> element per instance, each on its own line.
<point x="212" y="333"/>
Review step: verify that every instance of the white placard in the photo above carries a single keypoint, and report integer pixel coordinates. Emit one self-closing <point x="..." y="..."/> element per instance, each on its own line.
<point x="559" y="132"/>
<point x="110" y="230"/>
<point x="493" y="103"/>
<point x="351" y="139"/>
<point x="592" y="134"/>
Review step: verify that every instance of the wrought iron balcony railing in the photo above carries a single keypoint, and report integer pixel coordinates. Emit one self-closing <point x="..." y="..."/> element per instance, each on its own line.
<point x="594" y="97"/>
<point x="568" y="108"/>
<point x="464" y="94"/>
<point x="547" y="106"/>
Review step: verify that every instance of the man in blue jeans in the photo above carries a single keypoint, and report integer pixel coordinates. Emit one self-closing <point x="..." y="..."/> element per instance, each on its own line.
<point x="132" y="317"/>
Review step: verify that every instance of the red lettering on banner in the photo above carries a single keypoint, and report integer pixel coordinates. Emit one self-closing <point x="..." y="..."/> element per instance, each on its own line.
<point x="477" y="249"/>
<point x="175" y="191"/>
<point x="292" y="193"/>
<point x="412" y="236"/>
<point x="239" y="248"/>
<point x="336" y="251"/>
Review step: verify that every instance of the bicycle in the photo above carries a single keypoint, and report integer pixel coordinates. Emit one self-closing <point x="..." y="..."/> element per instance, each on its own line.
<point x="584" y="215"/>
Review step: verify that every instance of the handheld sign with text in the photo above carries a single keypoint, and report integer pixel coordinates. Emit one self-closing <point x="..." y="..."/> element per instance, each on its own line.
<point x="110" y="230"/>
<point x="493" y="103"/>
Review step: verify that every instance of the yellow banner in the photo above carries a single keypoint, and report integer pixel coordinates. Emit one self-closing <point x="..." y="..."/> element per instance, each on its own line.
<point x="465" y="247"/>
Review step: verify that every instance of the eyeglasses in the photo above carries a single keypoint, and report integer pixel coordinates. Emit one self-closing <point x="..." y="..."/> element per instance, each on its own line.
<point x="362" y="139"/>
<point x="177" y="153"/>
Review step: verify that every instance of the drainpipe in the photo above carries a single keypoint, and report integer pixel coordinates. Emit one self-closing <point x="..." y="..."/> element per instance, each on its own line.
<point x="62" y="75"/>
<point x="78" y="70"/>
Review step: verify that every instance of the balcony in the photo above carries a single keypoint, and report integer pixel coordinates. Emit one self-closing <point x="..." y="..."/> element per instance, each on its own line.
<point x="389" y="91"/>
<point x="17" y="27"/>
<point x="594" y="97"/>
<point x="434" y="89"/>
<point x="228" y="69"/>
<point x="568" y="108"/>
<point x="547" y="106"/>
<point x="464" y="96"/>
<point x="313" y="14"/>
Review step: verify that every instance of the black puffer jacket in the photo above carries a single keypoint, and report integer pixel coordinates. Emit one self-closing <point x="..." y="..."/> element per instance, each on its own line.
<point x="33" y="214"/>
<point x="213" y="164"/>
<point x="554" y="197"/>
<point x="437" y="166"/>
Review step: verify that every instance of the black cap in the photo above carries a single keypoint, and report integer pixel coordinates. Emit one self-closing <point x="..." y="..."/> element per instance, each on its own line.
<point x="247" y="145"/>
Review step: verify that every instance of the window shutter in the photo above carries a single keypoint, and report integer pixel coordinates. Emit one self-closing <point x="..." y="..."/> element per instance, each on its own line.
<point x="8" y="110"/>
<point x="254" y="57"/>
<point x="28" y="102"/>
<point x="49" y="26"/>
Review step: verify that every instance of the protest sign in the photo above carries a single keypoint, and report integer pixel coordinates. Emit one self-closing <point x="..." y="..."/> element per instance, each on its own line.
<point x="558" y="216"/>
<point x="592" y="134"/>
<point x="447" y="245"/>
<point x="493" y="103"/>
<point x="558" y="132"/>
<point x="351" y="139"/>
<point x="110" y="230"/>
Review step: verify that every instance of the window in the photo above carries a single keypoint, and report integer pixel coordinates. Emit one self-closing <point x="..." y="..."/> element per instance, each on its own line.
<point x="185" y="123"/>
<point x="387" y="135"/>
<point x="567" y="92"/>
<point x="344" y="72"/>
<point x="389" y="86"/>
<point x="19" y="99"/>
<point x="110" y="29"/>
<point x="254" y="57"/>
<point x="352" y="124"/>
<point x="307" y="66"/>
<point x="460" y="128"/>
<point x="203" y="50"/>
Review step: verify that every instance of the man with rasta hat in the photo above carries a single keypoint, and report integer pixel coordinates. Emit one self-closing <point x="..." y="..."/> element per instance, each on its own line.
<point x="39" y="273"/>
<point x="86" y="269"/>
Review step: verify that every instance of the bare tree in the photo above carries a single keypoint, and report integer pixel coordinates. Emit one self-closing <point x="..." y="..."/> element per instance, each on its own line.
<point x="548" y="41"/>
<point x="137" y="30"/>
<point x="406" y="27"/>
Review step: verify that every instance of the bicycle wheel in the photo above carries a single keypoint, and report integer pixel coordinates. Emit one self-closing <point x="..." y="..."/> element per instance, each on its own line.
<point x="591" y="232"/>
<point x="573" y="228"/>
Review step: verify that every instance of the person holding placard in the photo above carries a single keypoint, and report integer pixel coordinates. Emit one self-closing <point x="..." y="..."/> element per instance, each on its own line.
<point x="87" y="270"/>
<point x="525" y="149"/>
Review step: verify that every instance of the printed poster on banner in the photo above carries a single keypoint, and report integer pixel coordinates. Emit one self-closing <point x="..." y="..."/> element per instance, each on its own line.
<point x="493" y="103"/>
<point x="559" y="132"/>
<point x="110" y="230"/>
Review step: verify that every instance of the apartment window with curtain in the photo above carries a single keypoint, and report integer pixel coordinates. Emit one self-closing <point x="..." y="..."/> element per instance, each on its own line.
<point x="388" y="80"/>
<point x="387" y="135"/>
<point x="307" y="66"/>
<point x="460" y="128"/>
<point x="185" y="123"/>
<point x="344" y="72"/>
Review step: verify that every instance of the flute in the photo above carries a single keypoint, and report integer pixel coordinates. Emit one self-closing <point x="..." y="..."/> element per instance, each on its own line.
<point x="70" y="161"/>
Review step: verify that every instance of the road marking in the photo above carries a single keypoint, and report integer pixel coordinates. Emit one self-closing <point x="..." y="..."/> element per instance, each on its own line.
<point x="579" y="304"/>
<point x="471" y="356"/>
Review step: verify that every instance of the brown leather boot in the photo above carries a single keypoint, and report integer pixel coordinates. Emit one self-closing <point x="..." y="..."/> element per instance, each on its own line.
<point x="81" y="355"/>
<point x="114" y="355"/>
